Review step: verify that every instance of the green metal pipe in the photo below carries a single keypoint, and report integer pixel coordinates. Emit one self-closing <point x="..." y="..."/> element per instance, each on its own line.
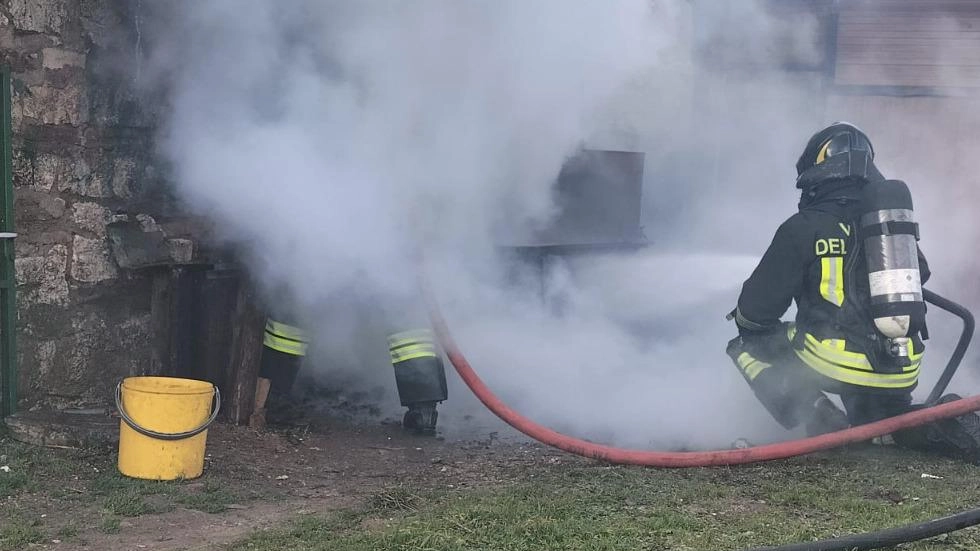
<point x="8" y="284"/>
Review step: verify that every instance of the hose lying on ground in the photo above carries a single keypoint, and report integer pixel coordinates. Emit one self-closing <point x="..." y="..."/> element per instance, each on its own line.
<point x="886" y="538"/>
<point x="781" y="450"/>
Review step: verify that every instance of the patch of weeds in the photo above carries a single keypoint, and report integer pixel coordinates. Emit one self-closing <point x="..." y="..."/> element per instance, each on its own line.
<point x="128" y="497"/>
<point x="127" y="503"/>
<point x="12" y="482"/>
<point x="213" y="498"/>
<point x="67" y="532"/>
<point x="110" y="525"/>
<point x="110" y="483"/>
<point x="301" y="534"/>
<point x="395" y="499"/>
<point x="46" y="462"/>
<point x="16" y="534"/>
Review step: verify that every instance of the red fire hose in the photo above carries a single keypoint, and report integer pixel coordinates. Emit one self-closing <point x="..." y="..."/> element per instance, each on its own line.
<point x="611" y="454"/>
<point x="855" y="542"/>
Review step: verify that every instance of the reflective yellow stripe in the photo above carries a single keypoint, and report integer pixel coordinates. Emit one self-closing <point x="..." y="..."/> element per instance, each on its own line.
<point x="832" y="279"/>
<point x="287" y="346"/>
<point x="287" y="331"/>
<point x="285" y="338"/>
<point x="409" y="345"/>
<point x="410" y="337"/>
<point x="860" y="378"/>
<point x="829" y="358"/>
<point x="412" y="351"/>
<point x="833" y="350"/>
<point x="751" y="366"/>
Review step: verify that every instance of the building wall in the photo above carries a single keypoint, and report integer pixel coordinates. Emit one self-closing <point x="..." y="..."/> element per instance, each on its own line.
<point x="910" y="43"/>
<point x="82" y="151"/>
<point x="908" y="71"/>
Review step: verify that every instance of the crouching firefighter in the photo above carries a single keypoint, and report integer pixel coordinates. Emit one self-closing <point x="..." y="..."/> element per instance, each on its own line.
<point x="420" y="377"/>
<point x="850" y="259"/>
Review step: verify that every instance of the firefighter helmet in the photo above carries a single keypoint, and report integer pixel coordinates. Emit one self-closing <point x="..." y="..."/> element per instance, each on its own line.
<point x="839" y="151"/>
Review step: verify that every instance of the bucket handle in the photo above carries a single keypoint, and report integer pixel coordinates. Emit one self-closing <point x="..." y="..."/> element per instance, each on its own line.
<point x="165" y="435"/>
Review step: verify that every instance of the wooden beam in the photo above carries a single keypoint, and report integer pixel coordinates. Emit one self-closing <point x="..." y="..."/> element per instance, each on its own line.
<point x="248" y="327"/>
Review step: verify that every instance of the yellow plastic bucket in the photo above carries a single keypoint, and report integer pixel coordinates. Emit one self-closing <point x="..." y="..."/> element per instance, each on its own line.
<point x="163" y="431"/>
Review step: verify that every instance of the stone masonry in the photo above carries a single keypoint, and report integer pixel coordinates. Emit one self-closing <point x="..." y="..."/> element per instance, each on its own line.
<point x="82" y="151"/>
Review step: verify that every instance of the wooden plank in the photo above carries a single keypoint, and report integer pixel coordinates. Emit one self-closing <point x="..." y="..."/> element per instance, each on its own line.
<point x="909" y="56"/>
<point x="257" y="419"/>
<point x="161" y="321"/>
<point x="921" y="23"/>
<point x="908" y="6"/>
<point x="925" y="21"/>
<point x="908" y="75"/>
<point x="248" y="325"/>
<point x="220" y="292"/>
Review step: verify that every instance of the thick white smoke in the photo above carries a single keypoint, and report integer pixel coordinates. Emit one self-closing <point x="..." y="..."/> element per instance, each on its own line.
<point x="334" y="140"/>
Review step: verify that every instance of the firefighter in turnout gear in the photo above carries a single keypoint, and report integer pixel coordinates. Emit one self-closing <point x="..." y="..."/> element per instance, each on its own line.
<point x="853" y="336"/>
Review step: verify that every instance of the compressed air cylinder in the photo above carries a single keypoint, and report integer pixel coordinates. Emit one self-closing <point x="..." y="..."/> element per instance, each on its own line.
<point x="282" y="357"/>
<point x="419" y="372"/>
<point x="890" y="236"/>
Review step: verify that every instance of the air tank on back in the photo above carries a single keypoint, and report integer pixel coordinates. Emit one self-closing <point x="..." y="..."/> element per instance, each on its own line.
<point x="890" y="236"/>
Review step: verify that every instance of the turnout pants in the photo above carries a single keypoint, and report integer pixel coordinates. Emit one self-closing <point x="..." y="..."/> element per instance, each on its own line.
<point x="793" y="394"/>
<point x="790" y="390"/>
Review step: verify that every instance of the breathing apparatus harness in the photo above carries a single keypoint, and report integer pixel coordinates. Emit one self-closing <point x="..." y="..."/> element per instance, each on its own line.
<point x="838" y="163"/>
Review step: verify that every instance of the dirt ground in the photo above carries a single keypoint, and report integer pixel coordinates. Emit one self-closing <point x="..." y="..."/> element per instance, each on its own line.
<point x="62" y="499"/>
<point x="73" y="499"/>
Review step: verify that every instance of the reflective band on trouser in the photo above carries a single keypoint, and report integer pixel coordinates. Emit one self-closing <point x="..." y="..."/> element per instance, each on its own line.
<point x="832" y="279"/>
<point x="285" y="338"/>
<point x="829" y="358"/>
<point x="750" y="366"/>
<point x="834" y="351"/>
<point x="860" y="378"/>
<point x="287" y="331"/>
<point x="410" y="345"/>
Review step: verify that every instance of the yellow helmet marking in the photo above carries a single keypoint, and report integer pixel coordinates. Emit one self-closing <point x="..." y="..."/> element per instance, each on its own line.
<point x="822" y="156"/>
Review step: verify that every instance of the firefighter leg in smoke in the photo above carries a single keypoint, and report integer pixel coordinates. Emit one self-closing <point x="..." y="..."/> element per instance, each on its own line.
<point x="420" y="377"/>
<point x="282" y="356"/>
<point x="782" y="384"/>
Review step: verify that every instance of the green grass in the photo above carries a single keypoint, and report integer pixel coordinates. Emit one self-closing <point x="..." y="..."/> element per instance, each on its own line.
<point x="67" y="532"/>
<point x="128" y="497"/>
<point x="604" y="508"/>
<point x="212" y="499"/>
<point x="12" y="482"/>
<point x="110" y="525"/>
<point x="17" y="533"/>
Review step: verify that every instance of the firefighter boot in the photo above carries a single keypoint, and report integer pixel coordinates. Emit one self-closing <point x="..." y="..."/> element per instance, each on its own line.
<point x="957" y="437"/>
<point x="825" y="417"/>
<point x="421" y="418"/>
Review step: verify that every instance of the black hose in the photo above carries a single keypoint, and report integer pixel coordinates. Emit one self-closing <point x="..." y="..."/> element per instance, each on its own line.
<point x="886" y="538"/>
<point x="965" y="337"/>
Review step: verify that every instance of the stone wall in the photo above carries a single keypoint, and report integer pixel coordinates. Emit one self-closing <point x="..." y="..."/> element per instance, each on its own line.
<point x="82" y="151"/>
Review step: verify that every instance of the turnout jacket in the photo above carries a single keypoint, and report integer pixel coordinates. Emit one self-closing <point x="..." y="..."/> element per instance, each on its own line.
<point x="816" y="259"/>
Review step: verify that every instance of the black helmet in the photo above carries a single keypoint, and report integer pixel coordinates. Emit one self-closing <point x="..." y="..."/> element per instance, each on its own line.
<point x="837" y="152"/>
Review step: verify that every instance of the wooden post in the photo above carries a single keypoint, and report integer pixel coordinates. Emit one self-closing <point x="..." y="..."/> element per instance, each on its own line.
<point x="161" y="313"/>
<point x="248" y="328"/>
<point x="220" y="297"/>
<point x="257" y="419"/>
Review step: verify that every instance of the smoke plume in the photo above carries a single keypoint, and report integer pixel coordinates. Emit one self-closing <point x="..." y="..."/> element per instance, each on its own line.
<point x="332" y="141"/>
